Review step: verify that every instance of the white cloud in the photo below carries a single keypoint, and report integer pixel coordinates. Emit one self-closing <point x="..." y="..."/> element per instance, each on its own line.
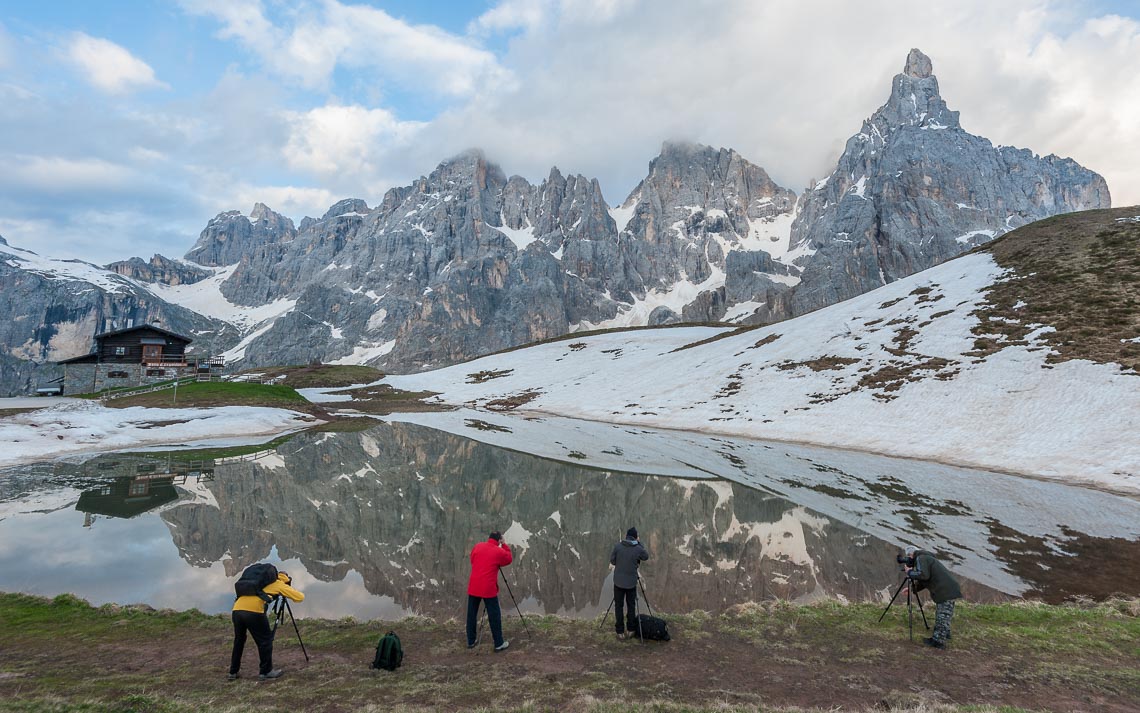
<point x="110" y="67"/>
<point x="358" y="37"/>
<point x="294" y="201"/>
<point x="55" y="174"/>
<point x="512" y="15"/>
<point x="337" y="140"/>
<point x="243" y="20"/>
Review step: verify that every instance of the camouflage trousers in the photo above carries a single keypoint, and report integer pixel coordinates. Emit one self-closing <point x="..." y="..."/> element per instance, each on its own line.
<point x="943" y="613"/>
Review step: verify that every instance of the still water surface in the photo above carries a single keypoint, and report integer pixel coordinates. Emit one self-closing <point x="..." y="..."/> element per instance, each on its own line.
<point x="378" y="523"/>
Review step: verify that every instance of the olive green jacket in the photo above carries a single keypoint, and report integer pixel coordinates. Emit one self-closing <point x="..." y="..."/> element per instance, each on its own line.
<point x="932" y="575"/>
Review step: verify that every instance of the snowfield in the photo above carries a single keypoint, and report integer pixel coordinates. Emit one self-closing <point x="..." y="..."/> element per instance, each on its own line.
<point x="889" y="372"/>
<point x="87" y="427"/>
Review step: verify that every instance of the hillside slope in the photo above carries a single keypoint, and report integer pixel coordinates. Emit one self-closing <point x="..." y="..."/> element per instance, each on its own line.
<point x="1022" y="356"/>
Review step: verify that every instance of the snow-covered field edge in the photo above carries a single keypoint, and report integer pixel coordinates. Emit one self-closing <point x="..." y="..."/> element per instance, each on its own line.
<point x="889" y="372"/>
<point x="86" y="427"/>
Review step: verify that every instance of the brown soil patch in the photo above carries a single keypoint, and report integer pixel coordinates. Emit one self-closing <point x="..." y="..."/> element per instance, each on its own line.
<point x="823" y="363"/>
<point x="6" y="412"/>
<point x="481" y="377"/>
<point x="509" y="403"/>
<point x="383" y="399"/>
<point x="1078" y="273"/>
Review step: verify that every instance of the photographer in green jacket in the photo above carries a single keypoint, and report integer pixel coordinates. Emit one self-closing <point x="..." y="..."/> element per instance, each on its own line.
<point x="928" y="573"/>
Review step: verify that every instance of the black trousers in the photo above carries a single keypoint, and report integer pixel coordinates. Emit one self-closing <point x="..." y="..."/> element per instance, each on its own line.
<point x="258" y="627"/>
<point x="625" y="598"/>
<point x="494" y="618"/>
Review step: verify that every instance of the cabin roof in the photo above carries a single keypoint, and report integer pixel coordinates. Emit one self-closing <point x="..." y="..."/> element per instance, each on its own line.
<point x="86" y="358"/>
<point x="151" y="327"/>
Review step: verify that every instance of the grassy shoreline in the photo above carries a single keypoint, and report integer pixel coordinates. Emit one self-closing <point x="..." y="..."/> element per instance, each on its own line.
<point x="62" y="654"/>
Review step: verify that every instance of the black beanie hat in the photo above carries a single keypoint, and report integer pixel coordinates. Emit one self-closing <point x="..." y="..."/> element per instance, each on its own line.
<point x="496" y="535"/>
<point x="631" y="533"/>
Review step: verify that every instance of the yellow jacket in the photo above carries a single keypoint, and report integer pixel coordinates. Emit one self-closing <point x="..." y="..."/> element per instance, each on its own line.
<point x="257" y="604"/>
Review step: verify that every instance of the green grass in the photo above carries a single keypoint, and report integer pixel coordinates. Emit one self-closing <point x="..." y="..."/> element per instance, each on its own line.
<point x="217" y="393"/>
<point x="320" y="375"/>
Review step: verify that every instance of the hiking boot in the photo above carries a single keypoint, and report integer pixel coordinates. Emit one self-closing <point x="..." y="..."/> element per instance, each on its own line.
<point x="503" y="646"/>
<point x="233" y="676"/>
<point x="622" y="636"/>
<point x="935" y="643"/>
<point x="275" y="673"/>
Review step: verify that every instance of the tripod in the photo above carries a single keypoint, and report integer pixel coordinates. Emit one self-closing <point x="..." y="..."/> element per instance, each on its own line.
<point x="515" y="601"/>
<point x="644" y="596"/>
<point x="909" y="606"/>
<point x="280" y="607"/>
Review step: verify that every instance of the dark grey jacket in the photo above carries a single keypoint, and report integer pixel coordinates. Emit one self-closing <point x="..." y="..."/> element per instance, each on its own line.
<point x="626" y="556"/>
<point x="932" y="575"/>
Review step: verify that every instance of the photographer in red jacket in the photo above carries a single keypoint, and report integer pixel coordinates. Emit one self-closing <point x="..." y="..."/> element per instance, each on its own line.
<point x="486" y="559"/>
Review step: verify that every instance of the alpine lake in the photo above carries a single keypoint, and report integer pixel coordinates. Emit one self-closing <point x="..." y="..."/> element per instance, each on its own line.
<point x="376" y="520"/>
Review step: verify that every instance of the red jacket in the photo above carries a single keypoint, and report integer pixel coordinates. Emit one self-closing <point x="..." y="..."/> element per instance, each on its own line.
<point x="486" y="558"/>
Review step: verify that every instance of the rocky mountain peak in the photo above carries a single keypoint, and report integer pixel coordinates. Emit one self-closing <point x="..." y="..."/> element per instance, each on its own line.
<point x="918" y="65"/>
<point x="469" y="169"/>
<point x="3" y="241"/>
<point x="690" y="174"/>
<point x="260" y="212"/>
<point x="913" y="189"/>
<point x="230" y="236"/>
<point x="346" y="206"/>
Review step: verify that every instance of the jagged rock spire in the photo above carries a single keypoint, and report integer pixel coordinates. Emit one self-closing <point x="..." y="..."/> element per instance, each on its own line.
<point x="915" y="100"/>
<point x="918" y="65"/>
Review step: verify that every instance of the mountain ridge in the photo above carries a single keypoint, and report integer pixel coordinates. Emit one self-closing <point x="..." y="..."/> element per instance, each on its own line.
<point x="467" y="260"/>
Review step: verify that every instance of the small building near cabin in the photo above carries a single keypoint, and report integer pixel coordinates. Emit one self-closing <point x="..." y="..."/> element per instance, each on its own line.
<point x="128" y="357"/>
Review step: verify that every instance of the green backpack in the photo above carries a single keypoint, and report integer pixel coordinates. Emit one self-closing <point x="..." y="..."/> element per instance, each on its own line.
<point x="389" y="652"/>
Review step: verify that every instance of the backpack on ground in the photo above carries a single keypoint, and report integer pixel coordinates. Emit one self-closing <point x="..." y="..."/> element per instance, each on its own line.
<point x="651" y="628"/>
<point x="389" y="652"/>
<point x="254" y="579"/>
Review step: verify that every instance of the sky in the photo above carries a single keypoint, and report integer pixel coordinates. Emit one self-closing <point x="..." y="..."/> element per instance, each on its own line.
<point x="126" y="126"/>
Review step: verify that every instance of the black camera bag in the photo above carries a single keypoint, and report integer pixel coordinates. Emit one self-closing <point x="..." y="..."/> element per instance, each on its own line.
<point x="651" y="628"/>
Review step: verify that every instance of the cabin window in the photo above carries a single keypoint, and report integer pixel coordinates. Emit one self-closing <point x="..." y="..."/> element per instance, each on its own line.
<point x="156" y="372"/>
<point x="120" y="351"/>
<point x="138" y="488"/>
<point x="106" y="490"/>
<point x="117" y="375"/>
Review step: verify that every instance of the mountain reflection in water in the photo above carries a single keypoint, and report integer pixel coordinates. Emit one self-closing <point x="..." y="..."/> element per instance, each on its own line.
<point x="380" y="522"/>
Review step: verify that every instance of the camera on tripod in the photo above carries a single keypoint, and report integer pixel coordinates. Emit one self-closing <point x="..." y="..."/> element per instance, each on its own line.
<point x="904" y="561"/>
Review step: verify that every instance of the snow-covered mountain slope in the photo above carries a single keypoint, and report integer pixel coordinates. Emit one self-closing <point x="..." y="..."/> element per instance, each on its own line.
<point x="937" y="366"/>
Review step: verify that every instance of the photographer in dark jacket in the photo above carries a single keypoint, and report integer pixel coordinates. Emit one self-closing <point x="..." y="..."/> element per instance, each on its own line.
<point x="930" y="574"/>
<point x="626" y="556"/>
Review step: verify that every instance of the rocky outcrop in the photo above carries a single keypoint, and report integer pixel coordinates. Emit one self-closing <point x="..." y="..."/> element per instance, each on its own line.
<point x="159" y="269"/>
<point x="911" y="190"/>
<point x="231" y="237"/>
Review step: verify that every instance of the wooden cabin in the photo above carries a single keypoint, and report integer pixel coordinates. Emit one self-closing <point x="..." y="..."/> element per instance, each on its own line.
<point x="127" y="357"/>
